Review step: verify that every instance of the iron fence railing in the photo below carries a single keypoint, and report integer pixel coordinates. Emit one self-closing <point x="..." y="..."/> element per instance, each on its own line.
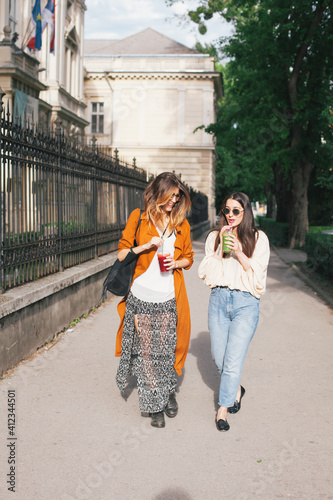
<point x="199" y="209"/>
<point x="62" y="203"/>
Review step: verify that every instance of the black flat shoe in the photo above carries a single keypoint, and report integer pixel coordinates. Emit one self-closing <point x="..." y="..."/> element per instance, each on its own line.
<point x="222" y="425"/>
<point x="237" y="404"/>
<point x="157" y="419"/>
<point x="171" y="408"/>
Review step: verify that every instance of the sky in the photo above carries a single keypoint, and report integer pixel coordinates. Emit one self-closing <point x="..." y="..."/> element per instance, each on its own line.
<point x="114" y="19"/>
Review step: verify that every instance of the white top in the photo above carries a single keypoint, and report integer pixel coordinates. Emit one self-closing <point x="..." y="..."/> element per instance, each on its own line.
<point x="229" y="272"/>
<point x="152" y="285"/>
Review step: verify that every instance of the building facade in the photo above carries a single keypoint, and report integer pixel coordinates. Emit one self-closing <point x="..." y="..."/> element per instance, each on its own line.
<point x="149" y="97"/>
<point x="43" y="85"/>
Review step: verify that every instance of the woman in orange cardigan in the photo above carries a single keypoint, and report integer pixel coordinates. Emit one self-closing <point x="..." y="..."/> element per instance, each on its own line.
<point x="154" y="331"/>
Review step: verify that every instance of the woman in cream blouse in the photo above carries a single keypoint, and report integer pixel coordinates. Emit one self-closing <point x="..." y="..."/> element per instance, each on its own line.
<point x="237" y="280"/>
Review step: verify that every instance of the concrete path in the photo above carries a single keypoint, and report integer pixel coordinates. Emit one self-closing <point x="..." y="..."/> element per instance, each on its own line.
<point x="77" y="438"/>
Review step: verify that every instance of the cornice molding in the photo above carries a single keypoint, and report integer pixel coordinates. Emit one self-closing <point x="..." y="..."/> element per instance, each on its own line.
<point x="23" y="76"/>
<point x="70" y="115"/>
<point x="154" y="147"/>
<point x="151" y="76"/>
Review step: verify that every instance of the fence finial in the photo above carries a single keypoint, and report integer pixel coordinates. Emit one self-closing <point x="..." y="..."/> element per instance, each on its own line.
<point x="134" y="162"/>
<point x="58" y="123"/>
<point x="2" y="94"/>
<point x="93" y="142"/>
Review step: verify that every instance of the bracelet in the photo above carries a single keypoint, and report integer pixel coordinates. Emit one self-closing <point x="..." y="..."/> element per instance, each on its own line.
<point x="131" y="250"/>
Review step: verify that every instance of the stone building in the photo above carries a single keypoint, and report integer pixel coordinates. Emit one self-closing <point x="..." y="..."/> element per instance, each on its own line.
<point x="146" y="95"/>
<point x="44" y="85"/>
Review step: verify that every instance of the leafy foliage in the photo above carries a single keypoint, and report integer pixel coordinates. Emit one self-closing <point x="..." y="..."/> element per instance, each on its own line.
<point x="277" y="232"/>
<point x="274" y="126"/>
<point x="319" y="249"/>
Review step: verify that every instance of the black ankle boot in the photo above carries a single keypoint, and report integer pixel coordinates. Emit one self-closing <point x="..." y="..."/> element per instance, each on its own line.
<point x="157" y="419"/>
<point x="171" y="408"/>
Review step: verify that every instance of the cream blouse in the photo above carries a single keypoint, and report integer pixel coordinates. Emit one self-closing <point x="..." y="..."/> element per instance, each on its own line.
<point x="228" y="272"/>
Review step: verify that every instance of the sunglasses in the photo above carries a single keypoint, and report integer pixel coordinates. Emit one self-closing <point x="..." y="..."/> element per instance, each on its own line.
<point x="177" y="196"/>
<point x="235" y="211"/>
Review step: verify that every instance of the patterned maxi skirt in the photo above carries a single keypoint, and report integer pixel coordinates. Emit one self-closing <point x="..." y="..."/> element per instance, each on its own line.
<point x="149" y="354"/>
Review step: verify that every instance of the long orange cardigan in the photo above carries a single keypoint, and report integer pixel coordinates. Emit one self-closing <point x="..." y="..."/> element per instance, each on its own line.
<point x="183" y="249"/>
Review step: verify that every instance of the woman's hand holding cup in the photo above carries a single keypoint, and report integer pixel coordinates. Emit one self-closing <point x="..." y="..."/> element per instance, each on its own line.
<point x="170" y="263"/>
<point x="164" y="262"/>
<point x="154" y="242"/>
<point x="226" y="238"/>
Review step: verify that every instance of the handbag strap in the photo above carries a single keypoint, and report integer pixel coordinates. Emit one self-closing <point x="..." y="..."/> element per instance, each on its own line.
<point x="138" y="224"/>
<point x="166" y="227"/>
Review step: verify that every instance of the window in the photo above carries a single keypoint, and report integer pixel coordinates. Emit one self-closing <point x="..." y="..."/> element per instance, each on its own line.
<point x="71" y="65"/>
<point x="97" y="118"/>
<point x="13" y="15"/>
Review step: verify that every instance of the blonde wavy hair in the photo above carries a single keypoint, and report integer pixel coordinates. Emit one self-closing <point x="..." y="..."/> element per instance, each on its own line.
<point x="159" y="192"/>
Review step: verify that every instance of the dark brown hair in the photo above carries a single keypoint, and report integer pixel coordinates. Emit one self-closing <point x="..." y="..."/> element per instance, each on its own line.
<point x="246" y="231"/>
<point x="159" y="192"/>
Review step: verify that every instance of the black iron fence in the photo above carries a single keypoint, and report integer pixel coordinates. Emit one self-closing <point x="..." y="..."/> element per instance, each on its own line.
<point x="199" y="209"/>
<point x="62" y="203"/>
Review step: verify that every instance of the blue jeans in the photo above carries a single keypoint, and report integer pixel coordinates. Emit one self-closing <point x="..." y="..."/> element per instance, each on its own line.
<point x="232" y="318"/>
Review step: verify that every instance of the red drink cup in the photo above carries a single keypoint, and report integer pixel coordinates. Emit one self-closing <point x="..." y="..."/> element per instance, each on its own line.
<point x="162" y="263"/>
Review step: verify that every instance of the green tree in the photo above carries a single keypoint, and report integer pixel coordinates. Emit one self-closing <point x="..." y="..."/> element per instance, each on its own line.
<point x="281" y="73"/>
<point x="241" y="163"/>
<point x="236" y="169"/>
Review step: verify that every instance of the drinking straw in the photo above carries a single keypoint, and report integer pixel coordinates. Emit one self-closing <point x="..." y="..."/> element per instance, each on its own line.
<point x="230" y="230"/>
<point x="163" y="238"/>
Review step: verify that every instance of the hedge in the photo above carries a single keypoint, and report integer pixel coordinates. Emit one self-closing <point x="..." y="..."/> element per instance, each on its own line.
<point x="319" y="249"/>
<point x="277" y="232"/>
<point x="318" y="246"/>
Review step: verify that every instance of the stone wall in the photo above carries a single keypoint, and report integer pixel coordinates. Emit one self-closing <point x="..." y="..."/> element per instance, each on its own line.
<point x="33" y="314"/>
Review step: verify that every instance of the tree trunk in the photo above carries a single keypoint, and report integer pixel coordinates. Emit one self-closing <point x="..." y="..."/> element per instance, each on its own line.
<point x="298" y="207"/>
<point x="270" y="200"/>
<point x="282" y="195"/>
<point x="298" y="217"/>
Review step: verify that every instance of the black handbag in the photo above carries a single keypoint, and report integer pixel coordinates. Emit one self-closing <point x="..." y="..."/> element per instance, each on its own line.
<point x="120" y="276"/>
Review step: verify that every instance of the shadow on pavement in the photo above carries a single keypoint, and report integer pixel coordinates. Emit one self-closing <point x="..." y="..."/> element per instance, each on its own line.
<point x="129" y="388"/>
<point x="173" y="494"/>
<point x="200" y="348"/>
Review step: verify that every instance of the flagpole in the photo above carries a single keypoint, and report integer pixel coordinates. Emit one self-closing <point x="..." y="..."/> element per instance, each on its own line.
<point x="28" y="38"/>
<point x="25" y="34"/>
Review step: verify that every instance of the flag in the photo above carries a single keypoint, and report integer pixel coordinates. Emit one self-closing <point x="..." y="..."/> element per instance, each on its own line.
<point x="35" y="42"/>
<point x="48" y="16"/>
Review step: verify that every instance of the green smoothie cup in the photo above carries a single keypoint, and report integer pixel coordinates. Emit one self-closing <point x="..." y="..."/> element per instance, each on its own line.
<point x="225" y="240"/>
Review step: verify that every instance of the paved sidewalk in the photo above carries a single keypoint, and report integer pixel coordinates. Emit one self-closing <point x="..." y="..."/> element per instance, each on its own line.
<point x="77" y="438"/>
<point x="295" y="258"/>
<point x="290" y="256"/>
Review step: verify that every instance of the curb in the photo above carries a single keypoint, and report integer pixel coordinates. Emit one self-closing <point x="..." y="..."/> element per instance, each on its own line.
<point x="23" y="296"/>
<point x="308" y="281"/>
